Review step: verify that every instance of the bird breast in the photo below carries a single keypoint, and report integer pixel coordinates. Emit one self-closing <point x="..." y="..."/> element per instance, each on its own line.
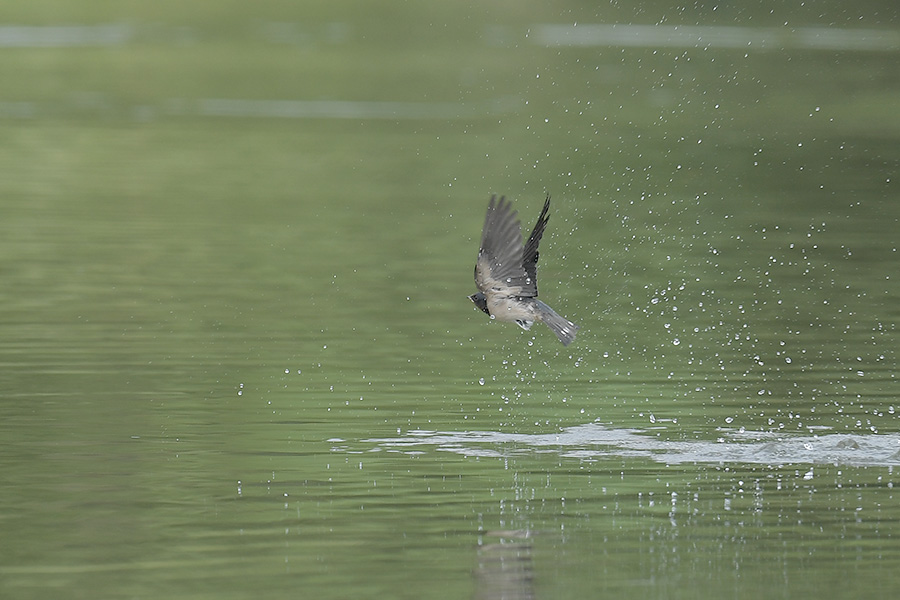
<point x="510" y="309"/>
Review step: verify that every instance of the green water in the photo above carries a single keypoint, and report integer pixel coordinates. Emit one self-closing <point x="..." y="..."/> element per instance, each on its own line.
<point x="236" y="354"/>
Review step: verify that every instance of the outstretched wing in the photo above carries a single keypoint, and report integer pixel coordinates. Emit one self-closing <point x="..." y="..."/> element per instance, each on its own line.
<point x="499" y="267"/>
<point x="530" y="254"/>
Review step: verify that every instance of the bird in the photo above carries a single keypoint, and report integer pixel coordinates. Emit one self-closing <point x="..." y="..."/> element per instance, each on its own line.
<point x="506" y="272"/>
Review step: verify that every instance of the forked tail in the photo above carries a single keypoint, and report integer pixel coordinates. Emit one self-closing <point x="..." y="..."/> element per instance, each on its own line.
<point x="564" y="329"/>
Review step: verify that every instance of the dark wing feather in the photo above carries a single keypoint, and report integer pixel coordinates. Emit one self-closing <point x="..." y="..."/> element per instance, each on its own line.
<point x="499" y="267"/>
<point x="530" y="254"/>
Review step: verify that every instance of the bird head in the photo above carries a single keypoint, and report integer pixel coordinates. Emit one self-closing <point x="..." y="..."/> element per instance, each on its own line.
<point x="480" y="302"/>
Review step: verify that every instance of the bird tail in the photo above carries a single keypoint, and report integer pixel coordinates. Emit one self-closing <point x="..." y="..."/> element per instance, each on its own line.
<point x="564" y="329"/>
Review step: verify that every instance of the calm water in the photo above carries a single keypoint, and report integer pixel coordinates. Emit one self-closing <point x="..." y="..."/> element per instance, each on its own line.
<point x="237" y="358"/>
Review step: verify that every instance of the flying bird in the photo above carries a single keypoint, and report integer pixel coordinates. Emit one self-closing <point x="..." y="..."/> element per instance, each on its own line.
<point x="506" y="272"/>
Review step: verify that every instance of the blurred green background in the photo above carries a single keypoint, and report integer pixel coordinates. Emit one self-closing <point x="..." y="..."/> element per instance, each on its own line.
<point x="237" y="357"/>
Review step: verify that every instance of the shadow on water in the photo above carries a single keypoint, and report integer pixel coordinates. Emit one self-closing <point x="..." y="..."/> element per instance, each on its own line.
<point x="505" y="566"/>
<point x="594" y="441"/>
<point x="505" y="561"/>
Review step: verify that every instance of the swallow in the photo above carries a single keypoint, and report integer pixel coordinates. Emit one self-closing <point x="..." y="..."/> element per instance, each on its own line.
<point x="506" y="272"/>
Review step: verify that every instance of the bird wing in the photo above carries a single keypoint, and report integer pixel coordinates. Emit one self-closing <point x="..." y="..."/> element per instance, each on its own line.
<point x="530" y="254"/>
<point x="499" y="266"/>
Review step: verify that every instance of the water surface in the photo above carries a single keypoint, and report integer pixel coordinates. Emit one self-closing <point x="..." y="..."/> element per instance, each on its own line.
<point x="237" y="357"/>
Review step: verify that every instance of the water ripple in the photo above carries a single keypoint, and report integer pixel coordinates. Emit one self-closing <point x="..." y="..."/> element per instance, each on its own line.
<point x="594" y="441"/>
